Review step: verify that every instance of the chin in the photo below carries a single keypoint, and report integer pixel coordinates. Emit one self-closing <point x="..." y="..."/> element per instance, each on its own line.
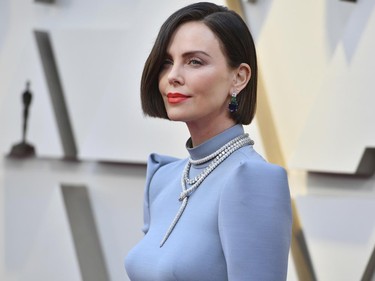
<point x="176" y="116"/>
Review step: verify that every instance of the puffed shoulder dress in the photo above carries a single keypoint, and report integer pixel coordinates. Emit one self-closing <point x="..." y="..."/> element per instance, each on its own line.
<point x="236" y="225"/>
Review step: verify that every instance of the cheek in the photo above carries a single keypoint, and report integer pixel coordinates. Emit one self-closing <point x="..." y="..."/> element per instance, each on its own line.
<point x="213" y="85"/>
<point x="204" y="82"/>
<point x="161" y="84"/>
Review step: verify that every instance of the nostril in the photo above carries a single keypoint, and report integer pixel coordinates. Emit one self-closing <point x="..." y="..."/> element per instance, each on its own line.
<point x="175" y="80"/>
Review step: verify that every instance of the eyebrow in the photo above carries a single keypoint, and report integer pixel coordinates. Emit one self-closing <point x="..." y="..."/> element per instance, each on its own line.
<point x="190" y="53"/>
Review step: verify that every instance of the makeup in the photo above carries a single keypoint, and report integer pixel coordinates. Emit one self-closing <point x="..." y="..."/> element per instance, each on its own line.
<point x="175" y="98"/>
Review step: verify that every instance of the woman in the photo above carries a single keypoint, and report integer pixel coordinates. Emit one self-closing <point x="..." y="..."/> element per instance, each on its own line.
<point x="223" y="213"/>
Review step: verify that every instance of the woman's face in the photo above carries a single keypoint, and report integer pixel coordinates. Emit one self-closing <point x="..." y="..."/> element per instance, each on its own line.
<point x="195" y="80"/>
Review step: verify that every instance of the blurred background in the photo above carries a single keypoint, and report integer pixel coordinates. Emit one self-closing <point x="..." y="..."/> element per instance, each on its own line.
<point x="74" y="209"/>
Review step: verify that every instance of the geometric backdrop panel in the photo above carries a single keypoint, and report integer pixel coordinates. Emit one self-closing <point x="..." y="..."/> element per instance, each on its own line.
<point x="340" y="126"/>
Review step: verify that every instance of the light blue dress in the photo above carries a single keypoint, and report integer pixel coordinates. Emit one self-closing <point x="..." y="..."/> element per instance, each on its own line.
<point x="236" y="226"/>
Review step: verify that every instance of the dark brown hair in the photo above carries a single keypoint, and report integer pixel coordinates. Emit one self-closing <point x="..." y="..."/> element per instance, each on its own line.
<point x="237" y="45"/>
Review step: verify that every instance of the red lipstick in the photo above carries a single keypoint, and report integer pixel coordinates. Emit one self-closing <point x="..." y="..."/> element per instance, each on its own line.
<point x="176" y="98"/>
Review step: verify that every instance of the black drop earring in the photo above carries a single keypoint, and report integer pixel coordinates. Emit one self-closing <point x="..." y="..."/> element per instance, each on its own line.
<point x="233" y="105"/>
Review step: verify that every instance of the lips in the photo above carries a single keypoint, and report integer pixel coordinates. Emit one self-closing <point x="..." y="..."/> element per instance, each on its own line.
<point x="175" y="98"/>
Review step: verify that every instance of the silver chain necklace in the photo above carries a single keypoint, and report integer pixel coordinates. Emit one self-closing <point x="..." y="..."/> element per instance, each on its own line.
<point x="218" y="157"/>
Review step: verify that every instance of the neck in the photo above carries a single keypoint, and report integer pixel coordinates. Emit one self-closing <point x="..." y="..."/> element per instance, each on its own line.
<point x="202" y="132"/>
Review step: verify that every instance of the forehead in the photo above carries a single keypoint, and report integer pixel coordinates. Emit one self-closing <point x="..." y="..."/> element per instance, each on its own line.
<point x="194" y="35"/>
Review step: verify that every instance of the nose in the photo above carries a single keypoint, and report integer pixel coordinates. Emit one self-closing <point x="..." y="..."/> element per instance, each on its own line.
<point x="175" y="75"/>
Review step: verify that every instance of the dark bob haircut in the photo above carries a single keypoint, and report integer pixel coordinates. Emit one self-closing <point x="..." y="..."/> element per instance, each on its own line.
<point x="236" y="43"/>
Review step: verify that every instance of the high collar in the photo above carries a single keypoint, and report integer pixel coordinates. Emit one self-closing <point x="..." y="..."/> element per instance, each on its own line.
<point x="213" y="144"/>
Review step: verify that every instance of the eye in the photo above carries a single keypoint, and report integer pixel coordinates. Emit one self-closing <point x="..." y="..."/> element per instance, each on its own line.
<point x="195" y="61"/>
<point x="166" y="63"/>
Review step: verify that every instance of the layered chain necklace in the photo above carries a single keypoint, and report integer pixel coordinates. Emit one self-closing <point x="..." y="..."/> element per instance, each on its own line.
<point x="217" y="158"/>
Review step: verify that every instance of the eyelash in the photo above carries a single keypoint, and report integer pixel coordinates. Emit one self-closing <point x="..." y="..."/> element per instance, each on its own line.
<point x="167" y="61"/>
<point x="192" y="61"/>
<point x="195" y="61"/>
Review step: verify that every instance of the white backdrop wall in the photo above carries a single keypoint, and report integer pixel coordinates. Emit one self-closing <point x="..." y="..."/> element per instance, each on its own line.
<point x="36" y="238"/>
<point x="100" y="49"/>
<point x="316" y="62"/>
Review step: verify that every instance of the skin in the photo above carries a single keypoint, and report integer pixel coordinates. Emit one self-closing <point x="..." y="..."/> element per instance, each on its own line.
<point x="196" y="81"/>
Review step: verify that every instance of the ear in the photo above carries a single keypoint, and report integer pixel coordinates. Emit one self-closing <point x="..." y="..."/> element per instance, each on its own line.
<point x="242" y="77"/>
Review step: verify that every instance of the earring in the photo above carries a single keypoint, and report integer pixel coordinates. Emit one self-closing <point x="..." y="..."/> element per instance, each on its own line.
<point x="233" y="105"/>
